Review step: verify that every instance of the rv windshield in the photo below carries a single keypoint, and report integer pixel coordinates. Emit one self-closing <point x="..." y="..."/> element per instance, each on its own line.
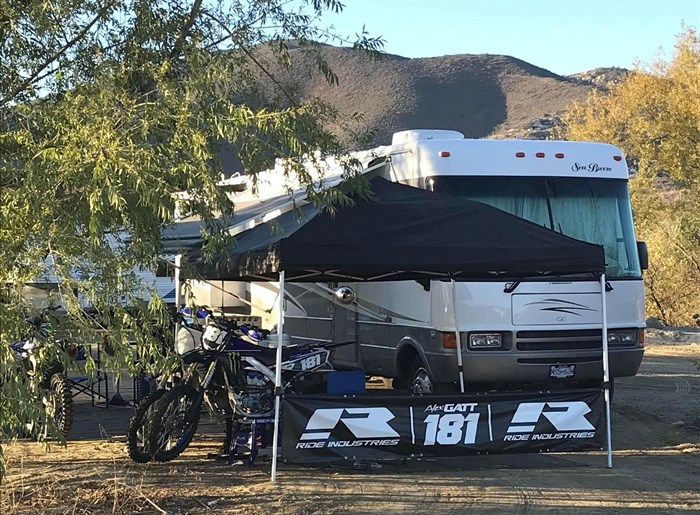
<point x="596" y="211"/>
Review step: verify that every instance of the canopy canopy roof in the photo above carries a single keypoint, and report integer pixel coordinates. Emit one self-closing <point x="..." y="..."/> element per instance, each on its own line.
<point x="402" y="233"/>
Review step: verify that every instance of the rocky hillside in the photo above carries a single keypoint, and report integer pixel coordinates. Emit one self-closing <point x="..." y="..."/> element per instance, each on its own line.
<point x="482" y="96"/>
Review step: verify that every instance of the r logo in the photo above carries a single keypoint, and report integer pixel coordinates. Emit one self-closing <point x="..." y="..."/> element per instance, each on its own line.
<point x="564" y="416"/>
<point x="374" y="423"/>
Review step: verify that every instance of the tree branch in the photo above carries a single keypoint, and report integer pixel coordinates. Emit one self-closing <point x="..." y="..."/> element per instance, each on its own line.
<point x="180" y="43"/>
<point x="657" y="302"/>
<point x="26" y="82"/>
<point x="270" y="76"/>
<point x="255" y="61"/>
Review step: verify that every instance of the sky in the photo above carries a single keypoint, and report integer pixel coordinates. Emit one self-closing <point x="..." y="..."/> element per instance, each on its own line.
<point x="562" y="36"/>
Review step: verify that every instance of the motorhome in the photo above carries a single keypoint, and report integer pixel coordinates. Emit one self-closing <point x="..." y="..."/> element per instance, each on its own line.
<point x="513" y="331"/>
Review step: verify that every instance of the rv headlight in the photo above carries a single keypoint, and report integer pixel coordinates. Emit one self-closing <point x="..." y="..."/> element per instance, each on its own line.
<point x="484" y="340"/>
<point x="622" y="337"/>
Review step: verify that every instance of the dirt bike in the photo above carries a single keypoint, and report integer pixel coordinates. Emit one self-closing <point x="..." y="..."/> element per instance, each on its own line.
<point x="150" y="390"/>
<point x="186" y="344"/>
<point x="51" y="378"/>
<point x="136" y="444"/>
<point x="238" y="383"/>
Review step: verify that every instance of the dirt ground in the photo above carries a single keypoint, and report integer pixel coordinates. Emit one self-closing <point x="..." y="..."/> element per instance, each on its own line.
<point x="656" y="467"/>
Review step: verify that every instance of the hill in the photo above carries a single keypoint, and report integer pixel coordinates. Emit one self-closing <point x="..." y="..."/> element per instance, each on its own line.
<point x="482" y="96"/>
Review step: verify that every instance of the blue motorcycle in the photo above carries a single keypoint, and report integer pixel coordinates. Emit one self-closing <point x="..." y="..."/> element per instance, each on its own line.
<point x="235" y="378"/>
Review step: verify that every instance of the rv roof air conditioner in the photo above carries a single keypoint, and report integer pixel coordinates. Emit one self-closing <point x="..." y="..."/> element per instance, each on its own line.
<point x="414" y="135"/>
<point x="235" y="184"/>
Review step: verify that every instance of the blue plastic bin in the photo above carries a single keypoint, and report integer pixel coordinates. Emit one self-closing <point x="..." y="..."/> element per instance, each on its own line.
<point x="346" y="381"/>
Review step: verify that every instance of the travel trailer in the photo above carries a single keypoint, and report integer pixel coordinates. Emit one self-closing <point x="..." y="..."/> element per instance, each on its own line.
<point x="513" y="331"/>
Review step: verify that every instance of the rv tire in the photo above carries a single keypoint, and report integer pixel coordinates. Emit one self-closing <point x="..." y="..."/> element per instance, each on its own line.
<point x="399" y="383"/>
<point x="422" y="384"/>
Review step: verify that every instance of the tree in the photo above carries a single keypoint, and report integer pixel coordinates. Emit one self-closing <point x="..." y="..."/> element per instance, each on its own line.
<point x="654" y="118"/>
<point x="107" y="108"/>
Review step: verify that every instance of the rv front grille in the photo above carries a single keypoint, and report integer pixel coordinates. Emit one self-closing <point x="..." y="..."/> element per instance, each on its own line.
<point x="576" y="339"/>
<point x="584" y="339"/>
<point x="569" y="360"/>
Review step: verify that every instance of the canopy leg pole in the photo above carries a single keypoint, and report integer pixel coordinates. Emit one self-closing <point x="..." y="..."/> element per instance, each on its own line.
<point x="278" y="378"/>
<point x="458" y="339"/>
<point x="606" y="368"/>
<point x="177" y="276"/>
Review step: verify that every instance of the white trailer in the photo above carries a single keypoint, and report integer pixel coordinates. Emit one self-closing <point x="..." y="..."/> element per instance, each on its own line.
<point x="514" y="331"/>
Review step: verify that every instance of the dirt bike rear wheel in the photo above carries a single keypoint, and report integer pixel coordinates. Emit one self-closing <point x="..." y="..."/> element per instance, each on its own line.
<point x="136" y="433"/>
<point x="61" y="407"/>
<point x="174" y="422"/>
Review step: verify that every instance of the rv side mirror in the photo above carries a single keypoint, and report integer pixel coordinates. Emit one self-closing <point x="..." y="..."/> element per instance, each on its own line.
<point x="345" y="295"/>
<point x="643" y="255"/>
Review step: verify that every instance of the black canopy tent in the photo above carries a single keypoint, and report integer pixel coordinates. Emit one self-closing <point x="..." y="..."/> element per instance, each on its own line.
<point x="403" y="233"/>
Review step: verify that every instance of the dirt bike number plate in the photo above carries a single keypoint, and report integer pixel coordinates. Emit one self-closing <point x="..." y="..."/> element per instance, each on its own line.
<point x="308" y="362"/>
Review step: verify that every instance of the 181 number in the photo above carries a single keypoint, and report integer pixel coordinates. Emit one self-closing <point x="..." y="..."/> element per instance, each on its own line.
<point x="450" y="429"/>
<point x="311" y="362"/>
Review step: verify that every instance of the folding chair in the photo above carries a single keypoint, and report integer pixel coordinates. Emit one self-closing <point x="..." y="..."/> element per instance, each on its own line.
<point x="90" y="384"/>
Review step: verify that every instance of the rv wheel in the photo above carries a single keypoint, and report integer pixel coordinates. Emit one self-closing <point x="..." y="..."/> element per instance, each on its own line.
<point x="421" y="383"/>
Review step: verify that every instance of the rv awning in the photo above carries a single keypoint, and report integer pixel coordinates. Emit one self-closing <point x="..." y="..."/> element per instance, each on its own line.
<point x="402" y="233"/>
<point x="184" y="235"/>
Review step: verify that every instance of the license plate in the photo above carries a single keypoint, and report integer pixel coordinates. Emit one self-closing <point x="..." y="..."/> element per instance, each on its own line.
<point x="562" y="371"/>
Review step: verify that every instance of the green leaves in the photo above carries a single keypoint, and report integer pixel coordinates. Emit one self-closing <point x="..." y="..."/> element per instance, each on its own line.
<point x="108" y="109"/>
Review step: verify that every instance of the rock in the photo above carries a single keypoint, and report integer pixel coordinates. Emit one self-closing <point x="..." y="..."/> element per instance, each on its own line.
<point x="603" y="78"/>
<point x="678" y="336"/>
<point x="679" y="423"/>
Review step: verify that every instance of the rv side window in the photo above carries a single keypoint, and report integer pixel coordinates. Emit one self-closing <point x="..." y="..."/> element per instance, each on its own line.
<point x="165" y="269"/>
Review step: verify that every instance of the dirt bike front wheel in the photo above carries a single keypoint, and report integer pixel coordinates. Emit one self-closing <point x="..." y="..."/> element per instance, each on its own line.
<point x="173" y="422"/>
<point x="136" y="433"/>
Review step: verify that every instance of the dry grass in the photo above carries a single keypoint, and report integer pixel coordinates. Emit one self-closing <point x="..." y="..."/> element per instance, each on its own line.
<point x="90" y="477"/>
<point x="55" y="482"/>
<point x="73" y="493"/>
<point x="656" y="463"/>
